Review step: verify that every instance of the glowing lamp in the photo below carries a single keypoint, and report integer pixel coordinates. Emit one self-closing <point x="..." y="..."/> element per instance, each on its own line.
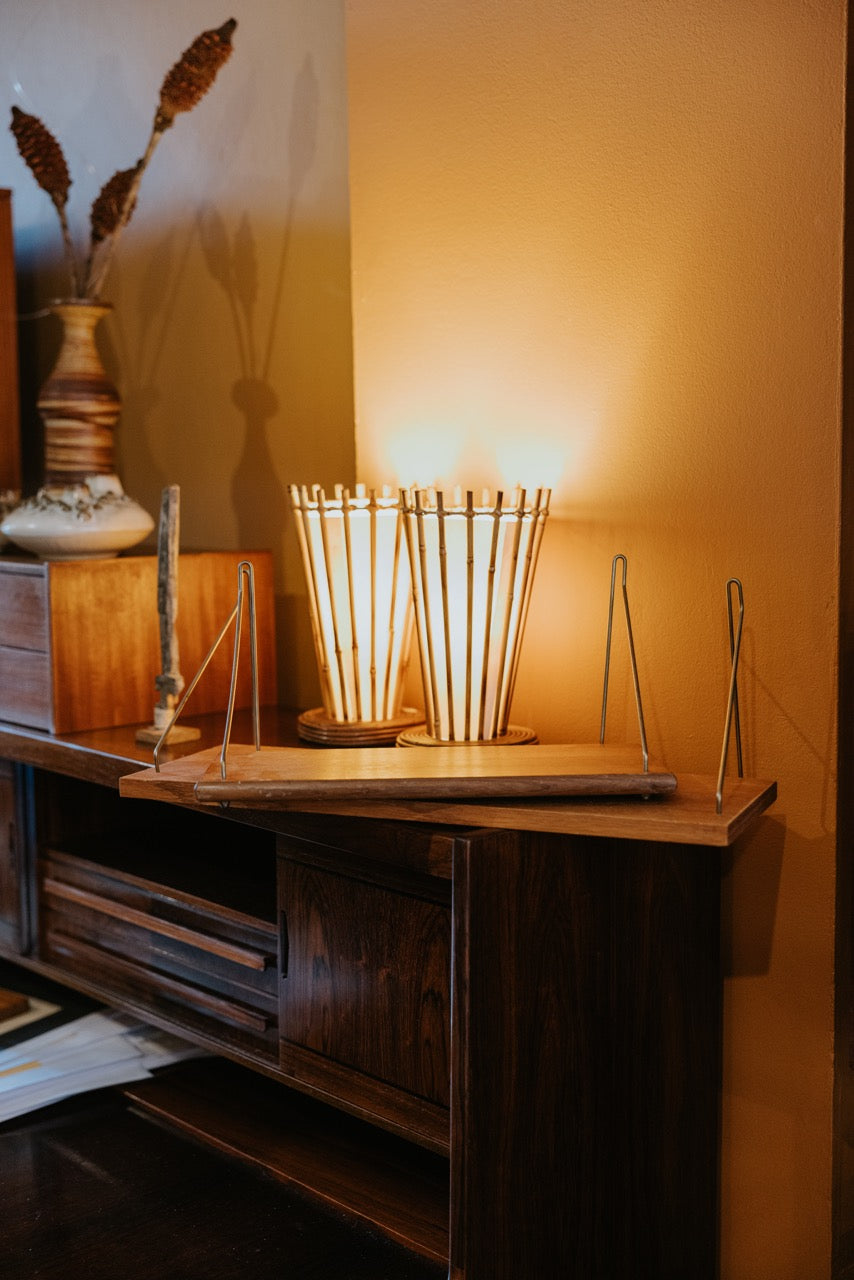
<point x="360" y="600"/>
<point x="472" y="572"/>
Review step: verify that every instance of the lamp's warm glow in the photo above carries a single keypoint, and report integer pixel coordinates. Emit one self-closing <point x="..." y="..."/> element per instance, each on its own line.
<point x="357" y="574"/>
<point x="527" y="451"/>
<point x="526" y="456"/>
<point x="421" y="453"/>
<point x="473" y="569"/>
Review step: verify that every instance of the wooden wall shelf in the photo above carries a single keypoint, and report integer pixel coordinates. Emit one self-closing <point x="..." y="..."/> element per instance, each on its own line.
<point x="606" y="796"/>
<point x="345" y="1162"/>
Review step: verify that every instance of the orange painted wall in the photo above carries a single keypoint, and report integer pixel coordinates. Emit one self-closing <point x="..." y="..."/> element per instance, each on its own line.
<point x="611" y="230"/>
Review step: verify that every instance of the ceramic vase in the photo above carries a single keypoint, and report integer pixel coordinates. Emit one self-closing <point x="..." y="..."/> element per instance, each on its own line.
<point x="81" y="511"/>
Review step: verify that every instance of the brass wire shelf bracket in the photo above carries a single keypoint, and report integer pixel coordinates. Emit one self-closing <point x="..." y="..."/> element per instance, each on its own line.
<point x="632" y="658"/>
<point x="245" y="588"/>
<point x="732" y="712"/>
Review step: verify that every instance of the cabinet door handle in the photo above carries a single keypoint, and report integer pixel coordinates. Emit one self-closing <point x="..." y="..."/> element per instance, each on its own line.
<point x="284" y="945"/>
<point x="244" y="956"/>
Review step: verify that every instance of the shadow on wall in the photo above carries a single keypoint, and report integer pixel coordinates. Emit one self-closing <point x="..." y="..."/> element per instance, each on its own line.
<point x="750" y="874"/>
<point x="37" y="277"/>
<point x="258" y="495"/>
<point x="269" y="278"/>
<point x="233" y="263"/>
<point x="140" y="358"/>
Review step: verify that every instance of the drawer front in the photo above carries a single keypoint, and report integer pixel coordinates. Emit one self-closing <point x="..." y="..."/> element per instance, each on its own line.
<point x="366" y="978"/>
<point x="204" y="967"/>
<point x="25" y="688"/>
<point x="24" y="622"/>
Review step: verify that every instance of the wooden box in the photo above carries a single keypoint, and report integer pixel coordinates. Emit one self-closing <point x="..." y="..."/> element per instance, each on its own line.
<point x="80" y="639"/>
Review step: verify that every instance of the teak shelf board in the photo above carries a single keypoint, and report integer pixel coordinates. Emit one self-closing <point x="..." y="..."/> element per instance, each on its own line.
<point x="111" y="756"/>
<point x="428" y="773"/>
<point x="381" y="1179"/>
<point x="684" y="815"/>
<point x="276" y="775"/>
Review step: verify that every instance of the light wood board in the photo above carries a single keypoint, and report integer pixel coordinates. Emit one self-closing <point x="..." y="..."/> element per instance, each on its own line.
<point x="685" y="816"/>
<point x="459" y="772"/>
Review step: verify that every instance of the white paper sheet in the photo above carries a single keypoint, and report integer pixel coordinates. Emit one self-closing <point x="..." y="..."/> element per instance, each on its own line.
<point x="91" y="1052"/>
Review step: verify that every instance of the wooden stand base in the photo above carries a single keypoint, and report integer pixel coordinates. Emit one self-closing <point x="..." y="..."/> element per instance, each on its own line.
<point x="317" y="727"/>
<point x="516" y="736"/>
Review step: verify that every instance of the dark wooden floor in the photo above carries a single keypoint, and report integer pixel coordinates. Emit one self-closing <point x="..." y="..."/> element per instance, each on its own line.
<point x="91" y="1189"/>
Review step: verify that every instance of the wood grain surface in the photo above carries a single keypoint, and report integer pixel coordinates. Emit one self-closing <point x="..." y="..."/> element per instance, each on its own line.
<point x="352" y="1166"/>
<point x="101" y="1191"/>
<point x="459" y="771"/>
<point x="79" y="640"/>
<point x="586" y="1033"/>
<point x="686" y="815"/>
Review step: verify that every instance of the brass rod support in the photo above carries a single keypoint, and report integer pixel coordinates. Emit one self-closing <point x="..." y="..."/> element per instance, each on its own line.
<point x="632" y="659"/>
<point x="732" y="699"/>
<point x="243" y="569"/>
<point x="736" y="715"/>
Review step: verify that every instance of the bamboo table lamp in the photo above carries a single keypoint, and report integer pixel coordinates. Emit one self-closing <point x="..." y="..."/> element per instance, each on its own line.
<point x="473" y="571"/>
<point x="360" y="600"/>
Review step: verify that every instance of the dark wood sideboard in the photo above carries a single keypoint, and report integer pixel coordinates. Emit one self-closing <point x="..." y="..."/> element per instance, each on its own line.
<point x="493" y="1029"/>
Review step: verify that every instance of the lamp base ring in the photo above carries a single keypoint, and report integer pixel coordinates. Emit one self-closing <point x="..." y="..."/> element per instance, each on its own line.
<point x="515" y="736"/>
<point x="316" y="727"/>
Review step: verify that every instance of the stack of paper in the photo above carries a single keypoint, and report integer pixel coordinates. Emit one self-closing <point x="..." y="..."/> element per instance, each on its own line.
<point x="92" y="1052"/>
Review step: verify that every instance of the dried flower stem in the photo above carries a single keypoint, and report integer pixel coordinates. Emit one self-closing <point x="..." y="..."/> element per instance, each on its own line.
<point x="70" y="255"/>
<point x="98" y="264"/>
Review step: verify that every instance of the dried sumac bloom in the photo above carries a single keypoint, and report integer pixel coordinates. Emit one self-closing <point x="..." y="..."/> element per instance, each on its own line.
<point x="108" y="206"/>
<point x="194" y="73"/>
<point x="43" y="154"/>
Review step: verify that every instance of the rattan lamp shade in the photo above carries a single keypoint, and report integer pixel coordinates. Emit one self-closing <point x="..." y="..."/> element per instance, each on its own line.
<point x="473" y="572"/>
<point x="360" y="600"/>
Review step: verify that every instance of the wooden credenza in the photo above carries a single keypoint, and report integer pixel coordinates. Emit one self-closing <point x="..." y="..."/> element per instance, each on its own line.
<point x="493" y="1030"/>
